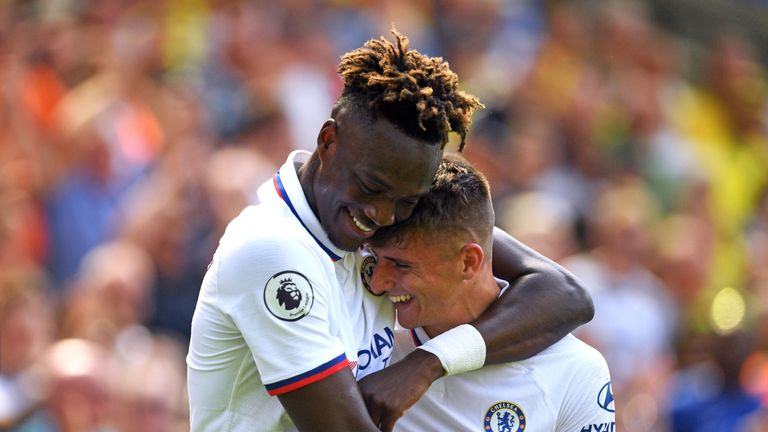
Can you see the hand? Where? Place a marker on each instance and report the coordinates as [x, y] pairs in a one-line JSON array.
[[391, 391]]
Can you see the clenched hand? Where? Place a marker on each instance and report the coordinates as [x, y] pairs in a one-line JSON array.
[[391, 391]]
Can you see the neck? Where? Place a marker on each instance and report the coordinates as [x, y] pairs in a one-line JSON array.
[[480, 292], [306, 174]]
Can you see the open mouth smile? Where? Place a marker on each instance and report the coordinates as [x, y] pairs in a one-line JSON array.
[[361, 226], [400, 299]]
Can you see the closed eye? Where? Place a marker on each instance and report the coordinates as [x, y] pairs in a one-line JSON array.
[[368, 190], [399, 264]]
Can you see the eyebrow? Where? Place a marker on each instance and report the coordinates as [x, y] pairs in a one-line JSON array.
[[378, 182], [399, 260], [370, 179]]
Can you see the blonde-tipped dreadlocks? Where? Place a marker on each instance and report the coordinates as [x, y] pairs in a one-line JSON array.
[[416, 92]]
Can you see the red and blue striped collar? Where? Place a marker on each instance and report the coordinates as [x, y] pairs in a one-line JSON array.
[[282, 193]]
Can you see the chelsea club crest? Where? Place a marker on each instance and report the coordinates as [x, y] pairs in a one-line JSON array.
[[504, 417], [366, 272]]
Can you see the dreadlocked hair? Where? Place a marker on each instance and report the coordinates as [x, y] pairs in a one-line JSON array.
[[416, 92]]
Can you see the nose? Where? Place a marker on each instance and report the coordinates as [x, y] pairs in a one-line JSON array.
[[382, 212], [381, 280]]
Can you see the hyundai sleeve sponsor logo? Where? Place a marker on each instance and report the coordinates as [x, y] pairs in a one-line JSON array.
[[600, 427], [605, 398]]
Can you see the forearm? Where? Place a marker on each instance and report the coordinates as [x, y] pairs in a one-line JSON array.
[[333, 403], [543, 304], [530, 316]]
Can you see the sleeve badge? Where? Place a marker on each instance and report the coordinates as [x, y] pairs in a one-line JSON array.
[[289, 296]]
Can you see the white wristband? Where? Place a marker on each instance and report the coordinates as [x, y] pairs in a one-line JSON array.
[[460, 349]]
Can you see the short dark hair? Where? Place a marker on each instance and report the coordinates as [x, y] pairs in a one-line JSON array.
[[418, 93], [458, 203]]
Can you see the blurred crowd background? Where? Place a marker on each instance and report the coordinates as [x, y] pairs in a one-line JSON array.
[[627, 140]]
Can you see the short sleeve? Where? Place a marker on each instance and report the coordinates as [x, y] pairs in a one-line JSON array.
[[588, 404], [279, 296]]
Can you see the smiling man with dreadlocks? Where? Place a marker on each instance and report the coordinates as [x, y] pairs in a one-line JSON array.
[[260, 362]]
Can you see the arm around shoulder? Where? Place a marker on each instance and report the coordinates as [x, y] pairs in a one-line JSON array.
[[543, 303]]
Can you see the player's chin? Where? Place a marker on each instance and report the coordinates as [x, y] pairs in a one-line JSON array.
[[407, 320], [346, 243], [345, 235]]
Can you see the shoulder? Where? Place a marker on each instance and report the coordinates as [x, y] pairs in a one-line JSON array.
[[258, 244], [569, 363], [581, 388], [577, 354], [265, 229]]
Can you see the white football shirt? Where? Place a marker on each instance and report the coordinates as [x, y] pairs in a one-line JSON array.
[[565, 388], [280, 307]]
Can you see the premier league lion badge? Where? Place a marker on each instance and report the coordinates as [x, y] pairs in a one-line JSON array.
[[504, 417], [289, 296]]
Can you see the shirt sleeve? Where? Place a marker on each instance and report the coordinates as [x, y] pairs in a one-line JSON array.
[[278, 295], [588, 405]]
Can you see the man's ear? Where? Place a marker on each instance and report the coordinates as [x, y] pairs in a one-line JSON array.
[[326, 139], [472, 257]]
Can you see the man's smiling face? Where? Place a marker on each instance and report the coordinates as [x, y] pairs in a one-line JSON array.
[[371, 175], [422, 277]]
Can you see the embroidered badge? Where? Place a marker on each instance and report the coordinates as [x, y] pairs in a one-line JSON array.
[[504, 417], [366, 272], [288, 295]]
